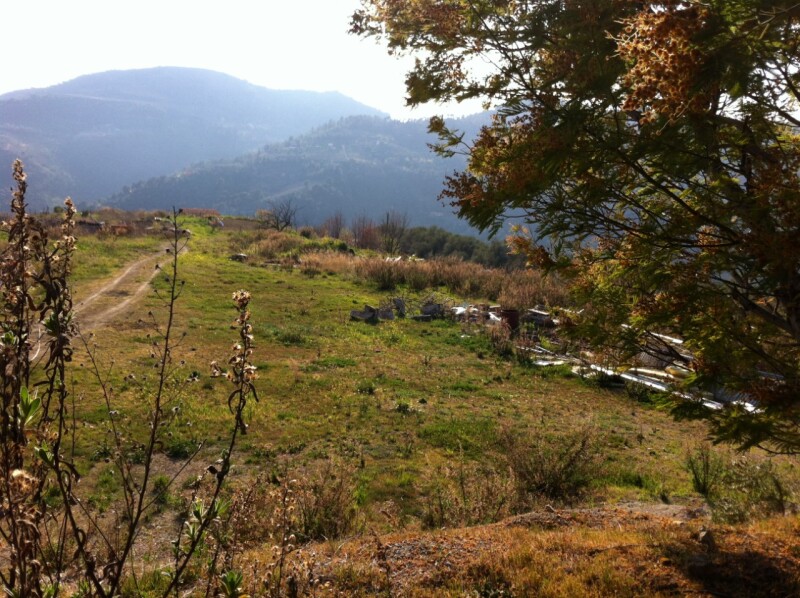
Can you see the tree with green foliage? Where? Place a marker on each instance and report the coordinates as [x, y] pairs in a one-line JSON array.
[[432, 241], [652, 151]]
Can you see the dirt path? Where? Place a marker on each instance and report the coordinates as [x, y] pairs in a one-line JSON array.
[[118, 296]]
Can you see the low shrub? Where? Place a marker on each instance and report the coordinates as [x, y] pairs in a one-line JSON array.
[[180, 448], [266, 244], [707, 469], [161, 490], [365, 387], [516, 289], [387, 276], [311, 502], [467, 493], [501, 341], [554, 467], [738, 488], [291, 335]]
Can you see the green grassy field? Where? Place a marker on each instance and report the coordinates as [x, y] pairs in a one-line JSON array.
[[397, 427], [400, 400]]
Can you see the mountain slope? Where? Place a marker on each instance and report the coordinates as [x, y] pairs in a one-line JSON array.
[[357, 165], [90, 136]]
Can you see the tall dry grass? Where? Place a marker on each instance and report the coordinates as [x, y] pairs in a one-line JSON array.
[[514, 289], [265, 244]]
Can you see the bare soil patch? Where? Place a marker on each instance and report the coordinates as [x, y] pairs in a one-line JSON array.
[[118, 295]]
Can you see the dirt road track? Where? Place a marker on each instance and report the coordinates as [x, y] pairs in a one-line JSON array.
[[118, 296]]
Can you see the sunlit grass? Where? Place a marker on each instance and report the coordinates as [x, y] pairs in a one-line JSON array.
[[415, 412], [407, 395]]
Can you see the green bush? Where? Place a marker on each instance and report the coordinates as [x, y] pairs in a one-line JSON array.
[[180, 448], [556, 467], [707, 469], [738, 489], [161, 484], [365, 387]]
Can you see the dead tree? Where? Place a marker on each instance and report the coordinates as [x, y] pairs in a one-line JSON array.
[[392, 228], [282, 214]]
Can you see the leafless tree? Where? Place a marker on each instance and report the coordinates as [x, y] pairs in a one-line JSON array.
[[334, 225], [365, 233], [282, 214], [392, 228]]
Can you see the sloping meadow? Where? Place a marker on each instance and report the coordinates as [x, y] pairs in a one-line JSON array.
[[396, 425]]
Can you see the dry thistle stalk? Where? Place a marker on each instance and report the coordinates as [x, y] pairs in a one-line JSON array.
[[34, 295]]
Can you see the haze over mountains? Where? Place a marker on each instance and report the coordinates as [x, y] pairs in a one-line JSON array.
[[101, 139], [359, 165], [110, 129]]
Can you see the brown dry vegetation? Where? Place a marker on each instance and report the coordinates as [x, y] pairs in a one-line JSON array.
[[519, 289], [622, 551]]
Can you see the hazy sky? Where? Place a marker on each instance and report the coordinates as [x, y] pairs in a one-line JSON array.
[[280, 44]]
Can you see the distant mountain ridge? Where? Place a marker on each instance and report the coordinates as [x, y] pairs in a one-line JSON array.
[[357, 165], [93, 135]]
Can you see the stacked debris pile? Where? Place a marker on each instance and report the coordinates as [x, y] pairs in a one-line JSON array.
[[663, 364], [431, 308], [373, 314], [429, 311], [481, 313]]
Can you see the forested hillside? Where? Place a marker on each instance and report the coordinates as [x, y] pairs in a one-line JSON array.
[[91, 136], [357, 165]]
